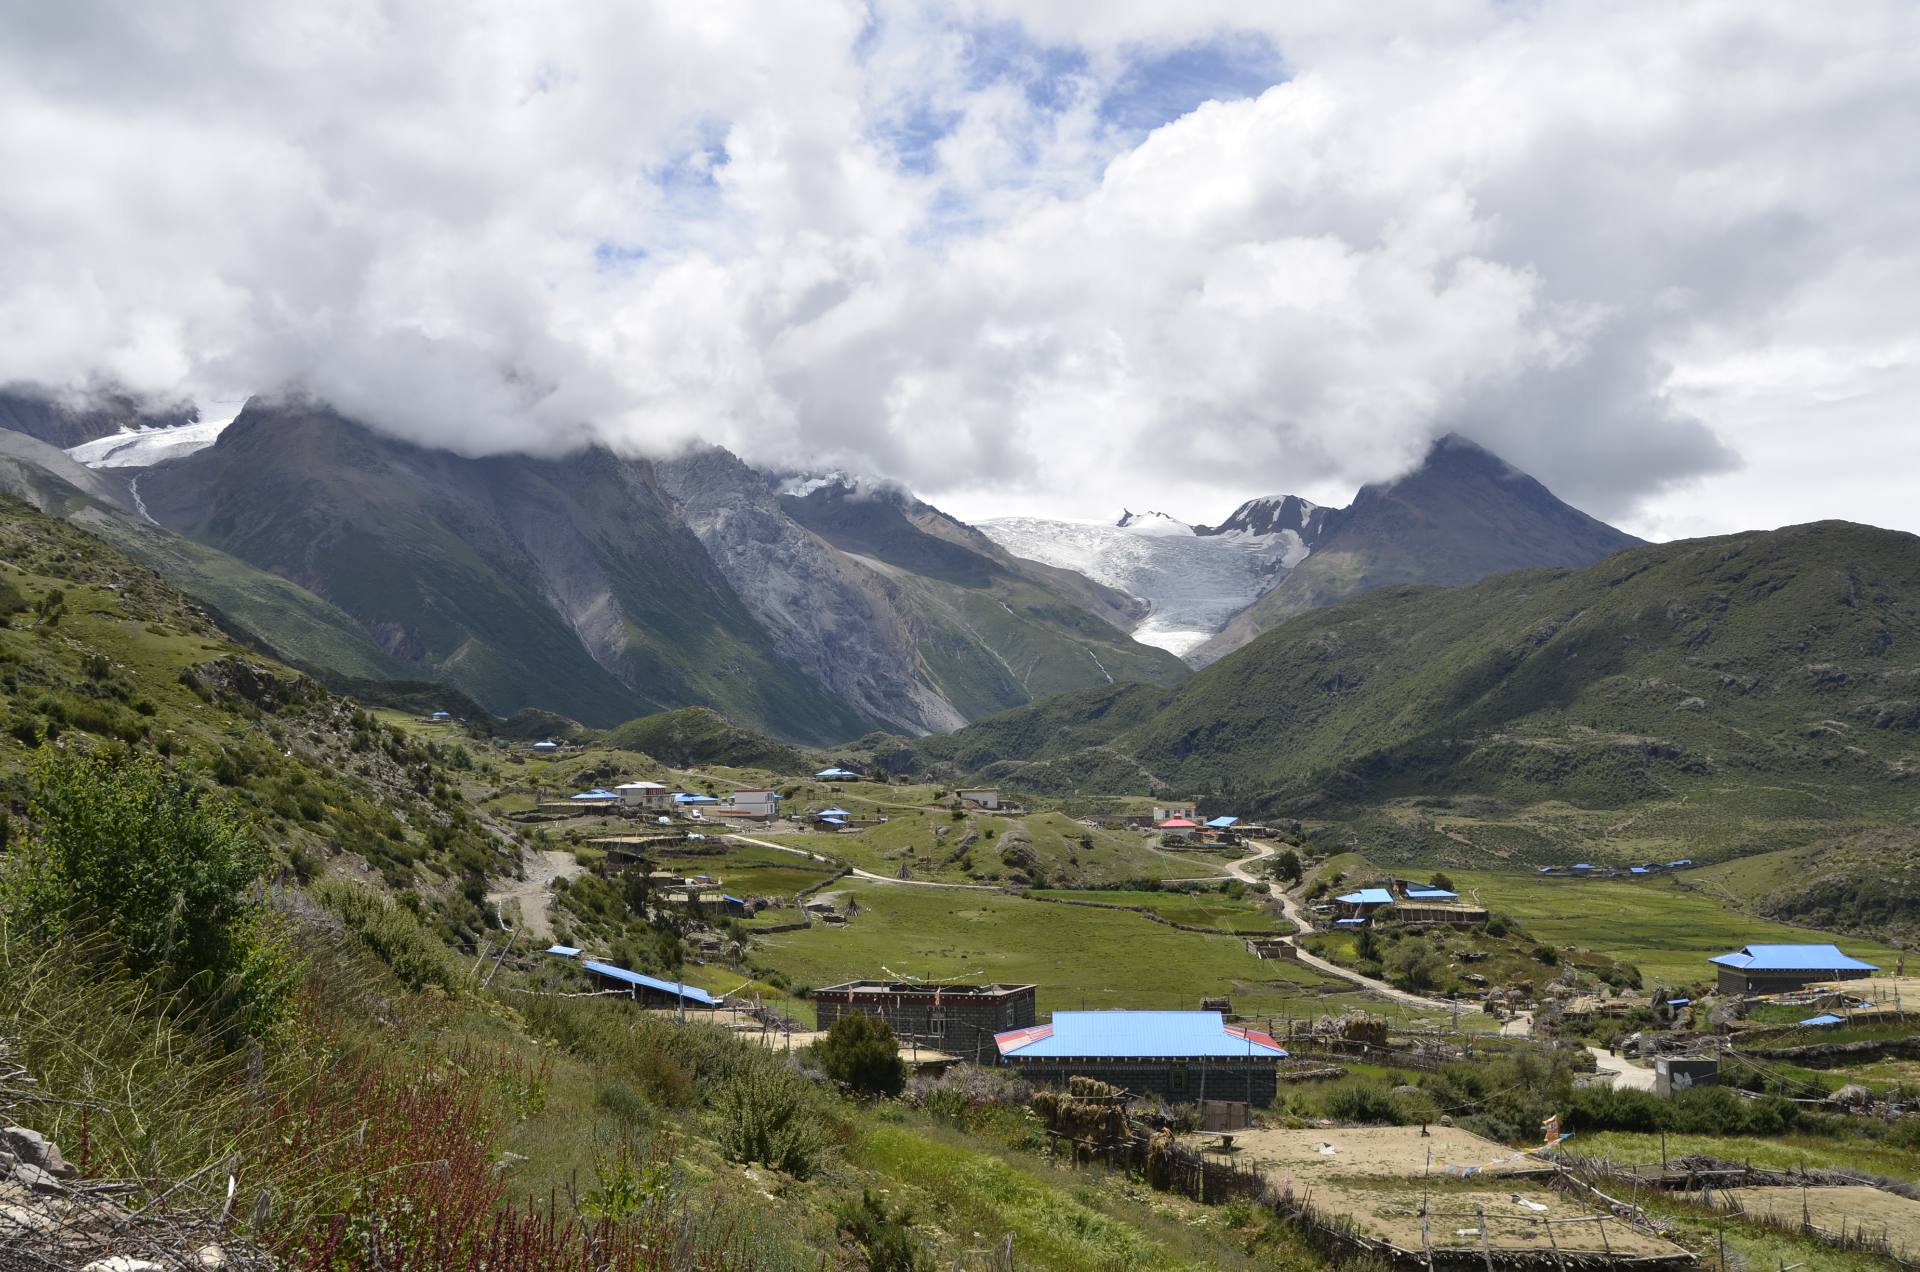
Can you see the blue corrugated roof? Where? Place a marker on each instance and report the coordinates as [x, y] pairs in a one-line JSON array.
[[681, 797], [1221, 823], [834, 812], [1678, 1002], [692, 993], [1078, 1034], [1684, 861], [1791, 958], [1351, 922], [1636, 870], [835, 772], [1824, 1019], [1431, 893], [1367, 896], [736, 900], [596, 793], [564, 951], [832, 821], [1582, 865]]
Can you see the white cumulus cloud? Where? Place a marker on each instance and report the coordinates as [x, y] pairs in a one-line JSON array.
[[1052, 257]]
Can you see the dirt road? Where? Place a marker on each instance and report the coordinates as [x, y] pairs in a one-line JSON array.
[[858, 873], [543, 868], [1300, 923], [1626, 1074]]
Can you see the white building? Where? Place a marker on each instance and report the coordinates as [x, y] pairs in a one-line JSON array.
[[649, 795], [754, 803], [979, 797], [1166, 812]]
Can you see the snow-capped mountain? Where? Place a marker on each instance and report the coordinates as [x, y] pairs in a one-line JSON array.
[[1193, 579]]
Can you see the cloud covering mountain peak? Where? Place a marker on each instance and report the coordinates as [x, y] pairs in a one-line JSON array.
[[1166, 255]]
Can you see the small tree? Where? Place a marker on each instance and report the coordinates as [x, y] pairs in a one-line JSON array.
[[163, 874], [861, 1051], [1286, 866]]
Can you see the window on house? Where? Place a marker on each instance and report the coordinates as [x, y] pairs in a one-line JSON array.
[[1179, 1081]]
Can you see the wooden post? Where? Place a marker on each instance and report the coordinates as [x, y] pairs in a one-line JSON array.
[[1723, 1245], [1426, 1240], [1601, 1223], [1557, 1256], [1486, 1246]]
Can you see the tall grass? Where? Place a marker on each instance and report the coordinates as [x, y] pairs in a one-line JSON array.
[[348, 1149]]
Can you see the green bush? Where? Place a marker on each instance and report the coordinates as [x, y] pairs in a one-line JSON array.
[[861, 1052], [134, 856], [1361, 1102], [768, 1114], [391, 933], [882, 1235]]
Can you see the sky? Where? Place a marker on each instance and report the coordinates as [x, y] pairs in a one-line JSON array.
[[1051, 257]]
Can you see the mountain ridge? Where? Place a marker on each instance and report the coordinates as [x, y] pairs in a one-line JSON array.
[[1462, 514], [1735, 676]]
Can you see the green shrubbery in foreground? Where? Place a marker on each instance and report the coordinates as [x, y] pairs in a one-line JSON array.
[[157, 873]]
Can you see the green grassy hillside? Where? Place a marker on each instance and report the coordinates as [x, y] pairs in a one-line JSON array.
[[1723, 689]]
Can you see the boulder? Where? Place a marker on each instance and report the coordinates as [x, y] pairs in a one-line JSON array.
[[32, 1146], [209, 1259], [1853, 1095]]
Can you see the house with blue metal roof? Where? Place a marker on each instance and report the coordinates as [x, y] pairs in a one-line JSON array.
[[1182, 1055], [1363, 904], [1780, 969], [650, 989], [835, 774]]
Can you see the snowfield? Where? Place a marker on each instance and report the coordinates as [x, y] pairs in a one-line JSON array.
[[139, 448], [1193, 583]]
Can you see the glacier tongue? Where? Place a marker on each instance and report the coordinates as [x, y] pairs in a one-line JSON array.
[[1193, 584], [140, 448]]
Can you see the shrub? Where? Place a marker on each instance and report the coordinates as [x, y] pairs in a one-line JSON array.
[[1361, 1102], [881, 1235], [861, 1052], [767, 1114], [165, 875], [391, 933]]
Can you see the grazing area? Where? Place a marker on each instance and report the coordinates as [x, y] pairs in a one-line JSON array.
[[1078, 956], [1660, 926]]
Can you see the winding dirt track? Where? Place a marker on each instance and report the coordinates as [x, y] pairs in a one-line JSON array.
[[1239, 871], [858, 873]]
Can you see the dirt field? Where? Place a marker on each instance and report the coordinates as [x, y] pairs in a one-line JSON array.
[[1880, 1214], [1376, 1151], [1512, 1222]]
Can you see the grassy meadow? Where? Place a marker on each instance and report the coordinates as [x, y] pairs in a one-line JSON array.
[[1666, 930], [1078, 956]]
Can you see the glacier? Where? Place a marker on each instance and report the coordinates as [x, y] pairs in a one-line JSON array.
[[1193, 580]]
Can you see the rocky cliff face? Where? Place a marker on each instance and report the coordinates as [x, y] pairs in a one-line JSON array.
[[841, 621], [607, 588]]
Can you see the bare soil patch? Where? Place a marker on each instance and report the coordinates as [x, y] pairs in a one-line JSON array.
[[1517, 1216], [1377, 1151], [1845, 1210]]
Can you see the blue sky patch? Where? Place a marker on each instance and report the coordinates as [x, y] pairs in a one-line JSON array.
[[1159, 87]]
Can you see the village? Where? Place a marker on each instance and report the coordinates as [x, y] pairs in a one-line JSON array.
[[1320, 1070]]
